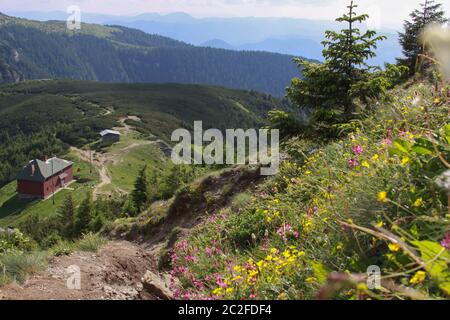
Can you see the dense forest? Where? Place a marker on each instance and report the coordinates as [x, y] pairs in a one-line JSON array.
[[35, 50]]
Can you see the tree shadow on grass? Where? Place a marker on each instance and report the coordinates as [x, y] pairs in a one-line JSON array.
[[15, 206]]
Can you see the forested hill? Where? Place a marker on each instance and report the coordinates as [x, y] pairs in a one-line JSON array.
[[41, 50]]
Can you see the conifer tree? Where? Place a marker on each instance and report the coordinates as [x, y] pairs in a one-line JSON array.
[[84, 215], [430, 12], [140, 194], [67, 216], [337, 82]]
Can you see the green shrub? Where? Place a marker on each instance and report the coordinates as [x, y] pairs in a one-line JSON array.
[[62, 248], [50, 241], [16, 241], [242, 227]]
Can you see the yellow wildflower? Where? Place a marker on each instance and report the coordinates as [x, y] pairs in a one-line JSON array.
[[311, 280], [230, 290], [405, 161], [419, 277], [260, 264], [217, 292], [375, 157], [382, 196], [253, 273], [236, 279], [394, 247], [365, 164], [418, 203], [362, 287]]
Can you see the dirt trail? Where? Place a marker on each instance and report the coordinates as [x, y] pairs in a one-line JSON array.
[[114, 273], [102, 160], [99, 161]]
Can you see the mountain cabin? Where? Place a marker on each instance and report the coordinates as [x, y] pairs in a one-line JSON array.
[[40, 179], [110, 136]]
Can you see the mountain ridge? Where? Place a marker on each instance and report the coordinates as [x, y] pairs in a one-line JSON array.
[[36, 50]]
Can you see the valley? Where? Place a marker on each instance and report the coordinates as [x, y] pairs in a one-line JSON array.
[[144, 114]]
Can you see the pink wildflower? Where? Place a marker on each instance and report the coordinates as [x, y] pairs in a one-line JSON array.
[[387, 142], [353, 163], [190, 258], [446, 241], [209, 251], [358, 150], [389, 132]]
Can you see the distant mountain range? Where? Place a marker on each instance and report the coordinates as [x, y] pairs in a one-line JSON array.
[[40, 50], [290, 46], [298, 37]]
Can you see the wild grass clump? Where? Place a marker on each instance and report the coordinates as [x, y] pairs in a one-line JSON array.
[[90, 242], [16, 267]]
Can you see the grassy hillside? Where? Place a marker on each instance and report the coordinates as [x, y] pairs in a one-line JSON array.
[[14, 212], [312, 231], [39, 50]]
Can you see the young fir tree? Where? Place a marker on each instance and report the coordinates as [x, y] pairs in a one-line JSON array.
[[67, 216], [140, 194], [84, 215], [430, 12], [345, 74]]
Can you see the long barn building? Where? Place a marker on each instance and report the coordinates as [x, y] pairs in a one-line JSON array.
[[40, 179]]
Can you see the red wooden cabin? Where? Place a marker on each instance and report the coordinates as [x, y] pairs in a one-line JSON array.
[[40, 179]]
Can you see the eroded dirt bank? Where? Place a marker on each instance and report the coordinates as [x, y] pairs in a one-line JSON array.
[[114, 272]]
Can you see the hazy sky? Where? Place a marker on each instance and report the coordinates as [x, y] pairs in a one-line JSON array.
[[385, 13]]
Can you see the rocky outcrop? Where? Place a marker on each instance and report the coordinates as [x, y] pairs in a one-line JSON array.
[[8, 74], [157, 286]]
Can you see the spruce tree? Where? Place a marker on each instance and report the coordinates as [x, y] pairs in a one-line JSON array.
[[67, 216], [140, 193], [84, 215], [344, 75], [430, 12]]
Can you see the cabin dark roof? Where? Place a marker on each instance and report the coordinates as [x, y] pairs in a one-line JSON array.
[[39, 171]]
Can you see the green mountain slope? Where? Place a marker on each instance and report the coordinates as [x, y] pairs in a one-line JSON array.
[[39, 50], [43, 117]]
